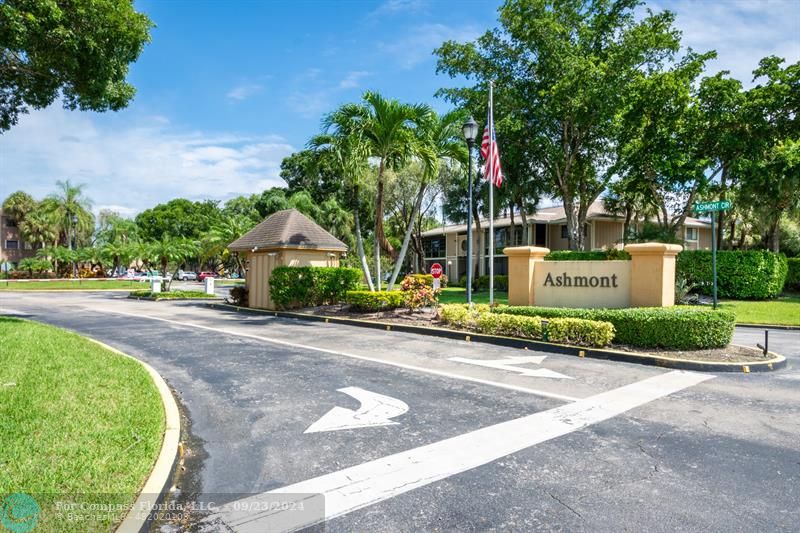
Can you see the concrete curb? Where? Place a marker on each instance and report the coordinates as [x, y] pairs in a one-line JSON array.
[[769, 326], [153, 299], [777, 362], [64, 290], [158, 482]]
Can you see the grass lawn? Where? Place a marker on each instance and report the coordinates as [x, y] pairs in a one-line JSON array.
[[784, 310], [78, 423], [171, 295], [458, 295], [78, 284]]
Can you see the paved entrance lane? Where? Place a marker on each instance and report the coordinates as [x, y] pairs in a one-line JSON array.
[[722, 455]]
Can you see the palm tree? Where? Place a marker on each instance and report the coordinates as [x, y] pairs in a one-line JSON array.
[[118, 252], [18, 205], [70, 210], [172, 250], [438, 138], [386, 127], [38, 227], [216, 241], [348, 153]]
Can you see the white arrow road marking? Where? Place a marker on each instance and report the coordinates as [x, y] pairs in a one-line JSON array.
[[508, 362], [372, 482], [375, 410]]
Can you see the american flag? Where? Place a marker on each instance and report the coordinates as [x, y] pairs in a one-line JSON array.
[[492, 171]]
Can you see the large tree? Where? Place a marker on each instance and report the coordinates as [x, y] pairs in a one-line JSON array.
[[70, 208], [78, 50], [179, 218], [566, 69]]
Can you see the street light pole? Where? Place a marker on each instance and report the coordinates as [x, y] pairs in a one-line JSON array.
[[470, 130]]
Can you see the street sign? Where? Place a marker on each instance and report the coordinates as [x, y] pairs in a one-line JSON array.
[[436, 270], [706, 207]]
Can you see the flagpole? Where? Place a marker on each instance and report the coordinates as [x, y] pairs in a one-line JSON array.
[[491, 194]]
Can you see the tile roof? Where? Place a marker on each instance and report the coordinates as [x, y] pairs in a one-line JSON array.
[[287, 229]]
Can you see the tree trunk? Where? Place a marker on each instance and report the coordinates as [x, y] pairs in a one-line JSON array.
[[360, 250], [775, 234], [398, 264], [526, 230]]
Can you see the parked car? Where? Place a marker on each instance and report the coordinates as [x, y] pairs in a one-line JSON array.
[[203, 275], [187, 276]]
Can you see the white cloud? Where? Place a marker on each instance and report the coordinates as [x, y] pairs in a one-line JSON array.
[[741, 31], [244, 91], [420, 42], [352, 79], [392, 7], [133, 168]]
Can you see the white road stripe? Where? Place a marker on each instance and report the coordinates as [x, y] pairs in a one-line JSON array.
[[415, 368], [372, 482]]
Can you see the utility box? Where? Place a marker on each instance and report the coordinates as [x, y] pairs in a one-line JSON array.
[[209, 284], [155, 284]]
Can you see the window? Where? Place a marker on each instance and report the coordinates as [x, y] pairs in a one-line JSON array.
[[10, 222], [12, 245], [564, 232], [691, 234], [434, 246]]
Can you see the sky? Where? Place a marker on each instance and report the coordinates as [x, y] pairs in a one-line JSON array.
[[226, 90]]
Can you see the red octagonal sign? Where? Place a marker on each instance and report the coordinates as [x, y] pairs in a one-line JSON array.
[[436, 270]]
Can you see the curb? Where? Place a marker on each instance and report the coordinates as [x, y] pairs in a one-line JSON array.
[[769, 326], [153, 299], [157, 484], [64, 290], [777, 362]]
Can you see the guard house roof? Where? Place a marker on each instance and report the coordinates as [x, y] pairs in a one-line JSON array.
[[287, 229]]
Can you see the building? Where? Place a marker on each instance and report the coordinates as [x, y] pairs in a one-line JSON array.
[[12, 247], [285, 238], [447, 245]]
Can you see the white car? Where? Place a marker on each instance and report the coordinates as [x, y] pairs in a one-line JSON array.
[[186, 276]]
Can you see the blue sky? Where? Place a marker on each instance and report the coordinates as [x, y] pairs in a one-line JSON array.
[[227, 89]]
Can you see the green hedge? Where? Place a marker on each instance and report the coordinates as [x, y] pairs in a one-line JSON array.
[[560, 330], [482, 283], [427, 279], [594, 255], [751, 274], [375, 300], [307, 286], [682, 328], [793, 274]]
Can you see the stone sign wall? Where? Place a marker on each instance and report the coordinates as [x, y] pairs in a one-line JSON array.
[[647, 280]]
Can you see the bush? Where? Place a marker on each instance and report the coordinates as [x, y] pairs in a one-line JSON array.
[[680, 328], [33, 265], [427, 279], [752, 274], [595, 255], [419, 292], [792, 275], [369, 301], [561, 330], [482, 283], [307, 286], [238, 296]]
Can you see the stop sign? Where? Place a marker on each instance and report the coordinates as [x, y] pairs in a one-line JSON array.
[[436, 270]]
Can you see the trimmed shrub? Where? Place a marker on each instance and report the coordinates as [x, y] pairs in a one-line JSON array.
[[680, 328], [375, 300], [482, 283], [792, 275], [751, 274], [595, 255], [561, 330], [306, 286]]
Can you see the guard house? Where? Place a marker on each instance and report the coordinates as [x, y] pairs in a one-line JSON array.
[[285, 238]]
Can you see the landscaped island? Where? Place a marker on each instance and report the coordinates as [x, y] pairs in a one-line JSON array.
[[79, 424]]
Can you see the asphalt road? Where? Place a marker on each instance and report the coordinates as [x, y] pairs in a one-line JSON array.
[[586, 445]]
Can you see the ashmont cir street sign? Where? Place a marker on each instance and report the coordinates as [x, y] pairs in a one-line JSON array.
[[719, 205]]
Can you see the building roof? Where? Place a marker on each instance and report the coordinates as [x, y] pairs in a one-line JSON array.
[[287, 229], [551, 215]]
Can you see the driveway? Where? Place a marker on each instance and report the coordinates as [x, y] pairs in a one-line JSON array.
[[405, 433]]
